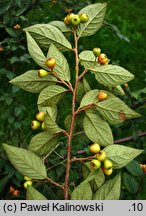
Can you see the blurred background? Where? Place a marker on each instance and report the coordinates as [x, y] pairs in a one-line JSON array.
[[122, 38]]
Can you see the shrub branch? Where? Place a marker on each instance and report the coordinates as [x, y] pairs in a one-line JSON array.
[[66, 187]]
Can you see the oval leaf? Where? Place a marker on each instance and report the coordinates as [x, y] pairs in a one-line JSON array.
[[96, 13], [61, 67], [96, 175], [121, 155], [115, 111], [134, 168], [51, 125], [82, 192], [33, 194], [87, 59], [61, 26], [35, 51], [43, 143], [45, 34], [51, 95], [31, 82], [97, 129], [26, 162], [90, 98], [130, 183], [83, 88], [110, 190], [111, 75]]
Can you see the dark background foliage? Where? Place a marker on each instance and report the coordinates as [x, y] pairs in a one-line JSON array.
[[122, 38]]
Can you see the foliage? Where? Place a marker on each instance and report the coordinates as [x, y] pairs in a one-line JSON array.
[[121, 38], [97, 113]]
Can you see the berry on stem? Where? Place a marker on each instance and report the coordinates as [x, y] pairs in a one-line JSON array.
[[50, 63], [101, 156], [94, 148], [27, 183], [43, 73], [95, 164], [83, 17], [27, 178], [66, 21], [16, 193], [102, 59], [107, 172], [69, 17], [107, 164], [102, 95], [35, 124], [96, 51], [40, 116], [75, 20], [43, 126], [12, 189]]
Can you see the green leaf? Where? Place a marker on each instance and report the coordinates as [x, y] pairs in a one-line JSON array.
[[33, 194], [96, 129], [90, 98], [35, 51], [11, 32], [110, 190], [51, 95], [111, 75], [51, 125], [87, 59], [82, 192], [83, 88], [3, 181], [118, 89], [121, 155], [115, 111], [137, 93], [43, 143], [130, 183], [45, 34], [67, 122], [100, 178], [31, 82], [5, 5], [96, 175], [61, 26], [96, 13], [26, 162], [134, 168], [61, 67]]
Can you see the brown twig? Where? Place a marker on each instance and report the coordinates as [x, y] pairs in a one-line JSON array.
[[84, 72], [118, 141], [81, 159], [89, 106], [130, 138], [139, 104], [55, 183], [72, 119], [68, 85]]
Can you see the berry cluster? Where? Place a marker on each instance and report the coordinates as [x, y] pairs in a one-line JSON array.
[[27, 182], [101, 57], [14, 192], [50, 63], [35, 124], [76, 19], [101, 160]]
